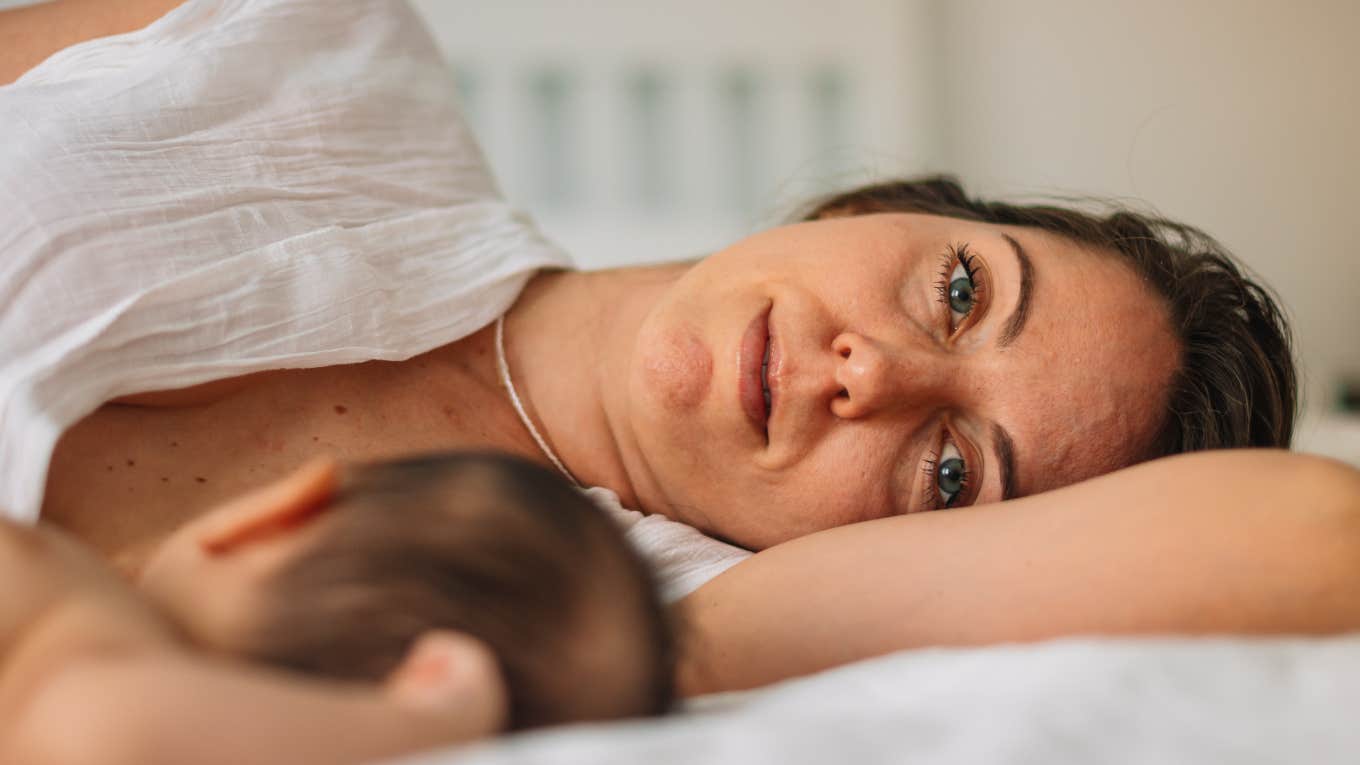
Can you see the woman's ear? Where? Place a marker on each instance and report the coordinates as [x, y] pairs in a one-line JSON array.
[[454, 677], [286, 503]]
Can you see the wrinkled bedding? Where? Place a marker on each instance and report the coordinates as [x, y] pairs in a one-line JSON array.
[[1070, 701]]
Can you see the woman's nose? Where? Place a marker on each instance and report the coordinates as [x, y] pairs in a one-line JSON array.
[[875, 376]]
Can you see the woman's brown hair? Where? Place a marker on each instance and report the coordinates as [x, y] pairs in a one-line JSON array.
[[1236, 385]]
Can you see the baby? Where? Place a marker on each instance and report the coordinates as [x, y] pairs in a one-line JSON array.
[[331, 619]]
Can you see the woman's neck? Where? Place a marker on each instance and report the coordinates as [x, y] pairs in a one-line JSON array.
[[569, 341]]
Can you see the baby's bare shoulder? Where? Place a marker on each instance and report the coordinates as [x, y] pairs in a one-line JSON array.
[[59, 600], [31, 568]]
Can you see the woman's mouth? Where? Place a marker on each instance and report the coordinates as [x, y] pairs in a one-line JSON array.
[[765, 379], [753, 362]]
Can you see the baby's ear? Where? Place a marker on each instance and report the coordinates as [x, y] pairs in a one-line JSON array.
[[456, 677], [286, 503]]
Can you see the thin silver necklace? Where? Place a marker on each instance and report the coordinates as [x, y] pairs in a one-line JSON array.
[[519, 405]]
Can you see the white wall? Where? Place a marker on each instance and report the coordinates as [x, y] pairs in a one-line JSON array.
[[1240, 117], [723, 173]]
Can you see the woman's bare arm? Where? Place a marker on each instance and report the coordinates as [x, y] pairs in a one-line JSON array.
[[1243, 542], [30, 34]]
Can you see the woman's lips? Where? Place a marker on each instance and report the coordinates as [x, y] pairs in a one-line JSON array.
[[752, 359], [765, 379]]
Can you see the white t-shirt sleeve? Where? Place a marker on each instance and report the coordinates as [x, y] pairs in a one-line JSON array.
[[682, 556]]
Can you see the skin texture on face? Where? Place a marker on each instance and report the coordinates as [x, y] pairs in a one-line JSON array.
[[874, 379]]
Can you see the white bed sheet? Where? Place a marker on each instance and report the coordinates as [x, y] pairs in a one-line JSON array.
[[1070, 701]]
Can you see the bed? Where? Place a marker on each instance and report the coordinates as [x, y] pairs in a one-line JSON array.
[[1069, 701]]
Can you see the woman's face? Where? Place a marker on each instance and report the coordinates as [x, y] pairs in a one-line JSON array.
[[912, 363]]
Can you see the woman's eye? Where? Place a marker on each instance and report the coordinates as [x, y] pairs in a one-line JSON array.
[[960, 285], [951, 475], [962, 292]]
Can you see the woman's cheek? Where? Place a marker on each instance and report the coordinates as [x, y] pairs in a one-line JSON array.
[[676, 369]]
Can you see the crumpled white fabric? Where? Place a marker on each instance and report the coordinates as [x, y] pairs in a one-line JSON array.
[[243, 185], [682, 557]]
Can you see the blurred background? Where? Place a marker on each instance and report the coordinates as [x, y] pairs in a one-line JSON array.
[[642, 130], [639, 130]]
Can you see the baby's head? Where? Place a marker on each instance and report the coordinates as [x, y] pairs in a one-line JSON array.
[[358, 581]]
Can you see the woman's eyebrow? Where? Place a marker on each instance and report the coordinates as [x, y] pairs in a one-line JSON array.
[[1016, 322], [1005, 460]]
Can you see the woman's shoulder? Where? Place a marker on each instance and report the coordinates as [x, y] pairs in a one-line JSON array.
[[31, 34]]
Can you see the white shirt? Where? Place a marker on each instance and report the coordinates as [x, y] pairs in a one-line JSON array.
[[243, 185]]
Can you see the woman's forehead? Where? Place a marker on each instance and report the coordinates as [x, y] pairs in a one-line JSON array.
[[1085, 385]]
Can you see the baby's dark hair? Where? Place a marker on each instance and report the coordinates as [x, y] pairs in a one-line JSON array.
[[1236, 386], [492, 546]]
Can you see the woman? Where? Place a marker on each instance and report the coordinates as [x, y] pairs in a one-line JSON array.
[[856, 367]]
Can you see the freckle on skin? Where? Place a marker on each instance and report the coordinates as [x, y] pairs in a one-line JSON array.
[[315, 438], [200, 479], [164, 479], [339, 409], [131, 462], [174, 443]]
